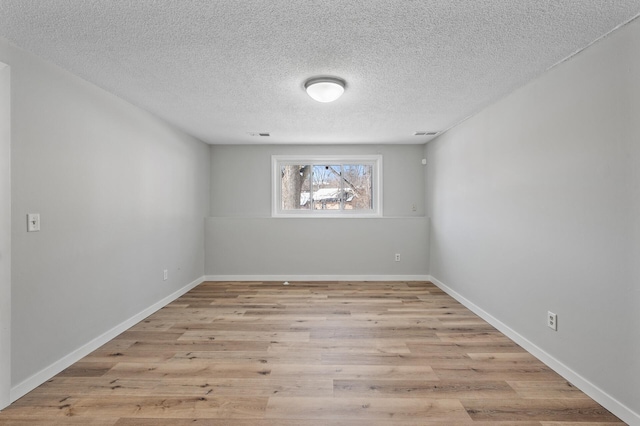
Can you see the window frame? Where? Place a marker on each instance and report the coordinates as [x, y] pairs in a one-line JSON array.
[[277, 161]]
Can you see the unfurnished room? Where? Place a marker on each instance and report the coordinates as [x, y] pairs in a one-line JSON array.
[[372, 212]]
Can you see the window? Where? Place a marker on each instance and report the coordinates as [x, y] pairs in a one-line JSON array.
[[323, 186]]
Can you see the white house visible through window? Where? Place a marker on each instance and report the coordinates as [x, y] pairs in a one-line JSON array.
[[322, 186]]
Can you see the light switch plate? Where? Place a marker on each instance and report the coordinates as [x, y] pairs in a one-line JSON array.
[[33, 222]]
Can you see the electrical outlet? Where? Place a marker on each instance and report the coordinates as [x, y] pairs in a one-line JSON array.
[[552, 321], [166, 274], [397, 257]]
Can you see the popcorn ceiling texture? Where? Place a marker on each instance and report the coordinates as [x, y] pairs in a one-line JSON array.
[[220, 70]]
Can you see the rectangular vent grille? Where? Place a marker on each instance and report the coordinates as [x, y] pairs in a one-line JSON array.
[[425, 133]]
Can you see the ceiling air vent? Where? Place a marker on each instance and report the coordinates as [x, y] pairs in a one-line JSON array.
[[259, 134], [425, 133]]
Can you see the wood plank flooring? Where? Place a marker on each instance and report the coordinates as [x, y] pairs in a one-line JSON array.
[[329, 353]]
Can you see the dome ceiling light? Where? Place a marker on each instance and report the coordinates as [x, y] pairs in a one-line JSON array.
[[325, 89]]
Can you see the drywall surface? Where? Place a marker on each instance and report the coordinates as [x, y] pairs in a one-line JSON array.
[[5, 236], [535, 206], [121, 195], [241, 176], [290, 248], [242, 237]]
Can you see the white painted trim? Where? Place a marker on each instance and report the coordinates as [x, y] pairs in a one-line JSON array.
[[47, 373], [293, 278], [600, 396], [5, 235]]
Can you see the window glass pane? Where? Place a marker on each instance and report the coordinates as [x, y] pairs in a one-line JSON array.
[[358, 184], [327, 190], [295, 187]]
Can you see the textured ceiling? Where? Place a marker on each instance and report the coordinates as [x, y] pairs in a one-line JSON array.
[[221, 70]]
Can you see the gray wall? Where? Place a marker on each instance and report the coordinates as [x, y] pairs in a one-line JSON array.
[[241, 176], [535, 206], [5, 237], [121, 195], [319, 248], [243, 239]]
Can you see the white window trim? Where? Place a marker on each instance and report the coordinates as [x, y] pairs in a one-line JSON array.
[[279, 160]]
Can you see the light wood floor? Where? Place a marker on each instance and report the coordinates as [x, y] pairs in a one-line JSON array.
[[333, 353]]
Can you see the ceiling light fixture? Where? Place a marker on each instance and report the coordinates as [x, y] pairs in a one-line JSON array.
[[325, 89]]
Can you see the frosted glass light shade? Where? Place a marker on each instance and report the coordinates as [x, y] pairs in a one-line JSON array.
[[325, 89]]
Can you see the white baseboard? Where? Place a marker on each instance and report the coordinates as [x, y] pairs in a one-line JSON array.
[[597, 394], [293, 278], [47, 373]]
